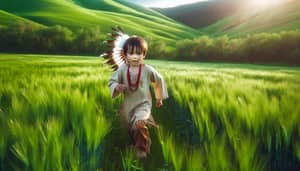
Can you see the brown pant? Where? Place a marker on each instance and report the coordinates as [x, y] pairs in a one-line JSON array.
[[139, 135]]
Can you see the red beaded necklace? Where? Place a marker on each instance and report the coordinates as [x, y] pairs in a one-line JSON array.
[[134, 87]]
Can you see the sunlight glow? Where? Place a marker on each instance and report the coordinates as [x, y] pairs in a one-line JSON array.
[[172, 3], [264, 3]]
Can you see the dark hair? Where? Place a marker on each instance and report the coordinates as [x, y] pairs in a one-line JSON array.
[[135, 44]]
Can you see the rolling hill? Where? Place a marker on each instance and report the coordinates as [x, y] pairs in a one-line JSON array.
[[201, 14], [102, 13], [8, 19], [235, 17], [121, 6], [279, 17], [215, 17]]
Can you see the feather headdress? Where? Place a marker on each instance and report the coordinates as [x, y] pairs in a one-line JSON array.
[[115, 56]]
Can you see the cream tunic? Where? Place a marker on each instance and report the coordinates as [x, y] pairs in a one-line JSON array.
[[137, 104]]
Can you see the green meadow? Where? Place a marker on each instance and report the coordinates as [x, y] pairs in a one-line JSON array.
[[56, 113]]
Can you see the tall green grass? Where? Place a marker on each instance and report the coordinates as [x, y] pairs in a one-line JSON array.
[[247, 119], [56, 113], [52, 114]]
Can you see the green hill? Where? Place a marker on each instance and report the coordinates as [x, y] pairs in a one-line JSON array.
[[201, 14], [121, 7], [139, 20], [234, 17], [8, 19], [281, 17], [104, 14]]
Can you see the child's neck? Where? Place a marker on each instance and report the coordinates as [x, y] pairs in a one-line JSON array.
[[135, 66]]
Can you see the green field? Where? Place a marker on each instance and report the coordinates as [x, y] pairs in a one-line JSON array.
[[56, 114]]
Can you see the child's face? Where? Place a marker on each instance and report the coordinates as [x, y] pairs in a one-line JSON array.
[[135, 59]]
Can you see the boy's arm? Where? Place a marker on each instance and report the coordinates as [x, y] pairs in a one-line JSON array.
[[159, 86], [113, 84]]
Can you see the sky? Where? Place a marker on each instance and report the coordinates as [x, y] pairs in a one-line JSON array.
[[164, 3]]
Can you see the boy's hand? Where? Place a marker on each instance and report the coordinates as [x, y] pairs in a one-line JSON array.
[[158, 103], [120, 88]]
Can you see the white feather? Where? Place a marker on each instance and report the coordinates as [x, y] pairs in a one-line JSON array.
[[103, 54], [120, 63], [120, 41], [117, 53], [117, 58], [117, 49]]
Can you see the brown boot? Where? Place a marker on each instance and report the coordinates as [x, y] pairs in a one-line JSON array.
[[140, 134]]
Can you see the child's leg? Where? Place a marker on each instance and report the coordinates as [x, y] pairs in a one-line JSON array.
[[140, 134]]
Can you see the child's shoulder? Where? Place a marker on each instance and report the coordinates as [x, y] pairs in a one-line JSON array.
[[149, 67]]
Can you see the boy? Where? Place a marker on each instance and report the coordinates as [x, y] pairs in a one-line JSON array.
[[132, 78]]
